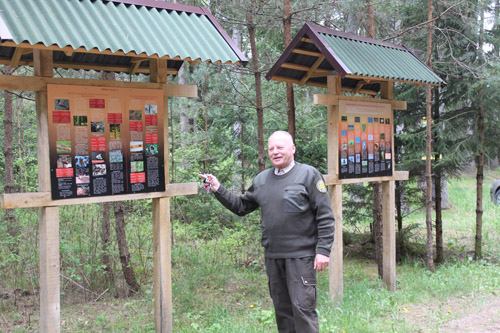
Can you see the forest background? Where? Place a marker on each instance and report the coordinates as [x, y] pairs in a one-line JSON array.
[[218, 132]]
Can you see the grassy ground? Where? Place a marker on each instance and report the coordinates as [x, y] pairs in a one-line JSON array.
[[219, 289], [459, 222]]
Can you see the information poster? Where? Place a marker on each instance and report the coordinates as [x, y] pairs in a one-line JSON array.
[[365, 139], [105, 141]]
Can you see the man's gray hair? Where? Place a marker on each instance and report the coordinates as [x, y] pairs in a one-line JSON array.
[[285, 133]]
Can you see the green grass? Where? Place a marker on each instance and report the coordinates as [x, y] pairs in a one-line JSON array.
[[234, 299], [459, 222]]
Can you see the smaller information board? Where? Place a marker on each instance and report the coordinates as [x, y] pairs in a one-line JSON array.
[[365, 139], [105, 141]]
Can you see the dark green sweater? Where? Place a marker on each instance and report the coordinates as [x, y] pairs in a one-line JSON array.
[[297, 219]]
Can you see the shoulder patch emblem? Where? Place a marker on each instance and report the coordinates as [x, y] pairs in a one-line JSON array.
[[320, 186]]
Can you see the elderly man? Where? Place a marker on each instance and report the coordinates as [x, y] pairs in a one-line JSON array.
[[297, 230]]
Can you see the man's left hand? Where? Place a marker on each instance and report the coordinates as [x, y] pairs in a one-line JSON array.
[[321, 262]]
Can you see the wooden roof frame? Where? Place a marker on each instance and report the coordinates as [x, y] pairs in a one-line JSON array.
[[311, 33]]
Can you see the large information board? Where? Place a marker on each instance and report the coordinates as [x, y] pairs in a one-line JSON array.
[[105, 141], [365, 139]]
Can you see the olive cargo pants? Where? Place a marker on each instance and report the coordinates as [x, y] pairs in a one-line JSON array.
[[292, 285]]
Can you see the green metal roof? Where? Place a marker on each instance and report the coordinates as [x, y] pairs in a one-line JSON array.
[[317, 52], [379, 60], [142, 27]]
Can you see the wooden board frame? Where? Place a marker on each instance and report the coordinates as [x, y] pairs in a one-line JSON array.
[[44, 199], [49, 209], [331, 100], [30, 83]]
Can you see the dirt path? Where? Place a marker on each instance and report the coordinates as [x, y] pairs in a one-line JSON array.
[[479, 313]]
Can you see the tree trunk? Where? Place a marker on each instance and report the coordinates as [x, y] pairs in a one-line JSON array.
[[243, 162], [399, 217], [128, 270], [377, 186], [8, 150], [439, 218], [480, 153], [105, 239], [238, 129], [184, 128], [479, 182], [495, 159], [371, 18], [438, 190], [377, 226], [428, 168], [290, 100], [496, 27], [106, 225], [258, 89], [121, 237]]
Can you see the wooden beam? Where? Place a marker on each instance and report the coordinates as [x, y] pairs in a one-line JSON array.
[[43, 70], [326, 99], [389, 235], [86, 66], [360, 85], [316, 84], [316, 72], [336, 279], [14, 61], [387, 90], [16, 57], [133, 68], [306, 40], [158, 71], [295, 66], [329, 99], [162, 267], [286, 79], [44, 199], [336, 269], [89, 66], [161, 223], [50, 305], [180, 90], [31, 83], [321, 73], [306, 52], [333, 179], [80, 50], [312, 69], [158, 74], [362, 91], [135, 63], [418, 83], [388, 214]]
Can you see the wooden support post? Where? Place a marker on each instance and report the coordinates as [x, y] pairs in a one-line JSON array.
[[389, 235], [162, 265], [336, 271], [161, 222], [50, 304], [388, 207]]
